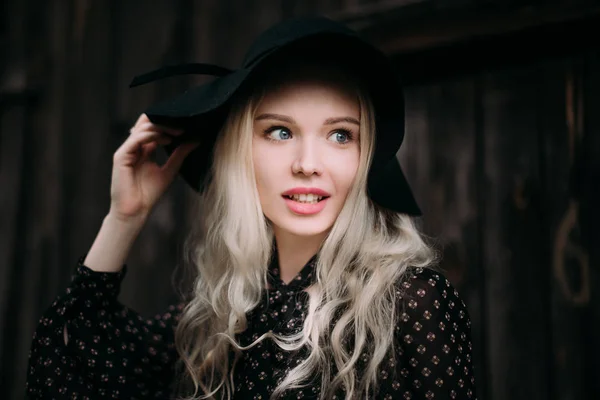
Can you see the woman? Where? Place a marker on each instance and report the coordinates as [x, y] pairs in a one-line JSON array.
[[312, 281]]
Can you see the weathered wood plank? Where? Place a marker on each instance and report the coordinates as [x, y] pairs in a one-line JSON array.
[[12, 117], [11, 158], [36, 181], [419, 26], [558, 110], [589, 219], [516, 277], [43, 234], [88, 99], [49, 123]]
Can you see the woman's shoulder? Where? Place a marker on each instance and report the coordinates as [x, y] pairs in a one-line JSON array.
[[433, 340], [426, 278], [426, 293]]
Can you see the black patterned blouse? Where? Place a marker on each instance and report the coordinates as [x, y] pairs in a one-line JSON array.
[[113, 352]]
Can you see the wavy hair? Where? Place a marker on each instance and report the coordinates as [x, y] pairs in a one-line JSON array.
[[358, 267]]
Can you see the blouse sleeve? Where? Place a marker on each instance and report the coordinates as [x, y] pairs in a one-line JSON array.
[[433, 345], [112, 352]]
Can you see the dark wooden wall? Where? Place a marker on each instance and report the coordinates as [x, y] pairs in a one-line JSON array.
[[502, 149], [494, 161]]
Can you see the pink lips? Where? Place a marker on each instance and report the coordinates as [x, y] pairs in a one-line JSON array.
[[305, 208]]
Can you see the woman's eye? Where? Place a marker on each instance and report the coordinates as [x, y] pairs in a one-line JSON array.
[[279, 133], [341, 136]]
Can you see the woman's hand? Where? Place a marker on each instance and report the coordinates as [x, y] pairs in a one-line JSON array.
[[137, 180]]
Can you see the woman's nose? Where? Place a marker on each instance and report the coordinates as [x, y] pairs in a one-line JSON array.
[[307, 158]]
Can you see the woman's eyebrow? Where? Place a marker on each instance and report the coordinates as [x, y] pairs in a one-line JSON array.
[[331, 121], [279, 117]]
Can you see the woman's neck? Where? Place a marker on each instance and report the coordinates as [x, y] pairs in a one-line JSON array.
[[294, 252]]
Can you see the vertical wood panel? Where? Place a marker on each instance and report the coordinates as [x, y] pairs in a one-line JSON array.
[[516, 276], [36, 140], [12, 121], [558, 123], [87, 159], [589, 219]]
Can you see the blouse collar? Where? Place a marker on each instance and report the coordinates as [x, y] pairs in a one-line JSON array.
[[300, 282]]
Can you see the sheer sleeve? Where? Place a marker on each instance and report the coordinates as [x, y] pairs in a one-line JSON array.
[[111, 351], [433, 340]]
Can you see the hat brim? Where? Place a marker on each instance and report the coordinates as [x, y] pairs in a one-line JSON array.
[[200, 112], [389, 188]]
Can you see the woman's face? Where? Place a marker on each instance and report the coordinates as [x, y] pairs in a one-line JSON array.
[[305, 141]]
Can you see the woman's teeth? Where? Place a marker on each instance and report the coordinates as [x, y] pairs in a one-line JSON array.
[[306, 198]]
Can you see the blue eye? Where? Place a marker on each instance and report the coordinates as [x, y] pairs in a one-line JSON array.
[[278, 133], [341, 136]]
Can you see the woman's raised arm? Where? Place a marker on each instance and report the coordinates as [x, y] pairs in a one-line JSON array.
[[136, 185], [88, 345]]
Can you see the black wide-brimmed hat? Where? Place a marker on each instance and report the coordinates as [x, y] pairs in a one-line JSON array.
[[202, 110]]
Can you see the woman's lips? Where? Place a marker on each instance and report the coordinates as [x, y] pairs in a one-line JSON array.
[[305, 208]]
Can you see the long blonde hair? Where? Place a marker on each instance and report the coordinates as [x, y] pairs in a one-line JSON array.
[[358, 266]]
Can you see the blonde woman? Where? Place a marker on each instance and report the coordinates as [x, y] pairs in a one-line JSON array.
[[311, 278]]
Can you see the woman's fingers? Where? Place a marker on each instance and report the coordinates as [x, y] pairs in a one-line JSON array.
[[144, 139], [137, 180], [143, 132], [134, 142]]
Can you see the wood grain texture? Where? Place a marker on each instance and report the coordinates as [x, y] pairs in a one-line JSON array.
[[517, 287], [11, 120], [422, 25], [589, 218], [32, 135], [560, 103]]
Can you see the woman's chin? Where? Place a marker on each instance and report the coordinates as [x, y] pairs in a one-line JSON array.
[[302, 226]]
